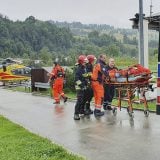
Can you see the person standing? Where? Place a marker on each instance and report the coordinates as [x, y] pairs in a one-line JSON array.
[[80, 86], [109, 89], [89, 91], [57, 76], [97, 78]]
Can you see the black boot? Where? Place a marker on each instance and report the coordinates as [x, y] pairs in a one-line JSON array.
[[76, 117], [65, 99], [88, 110], [82, 113], [105, 105], [109, 107], [98, 113]]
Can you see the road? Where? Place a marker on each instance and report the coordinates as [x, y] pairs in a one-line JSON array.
[[107, 138]]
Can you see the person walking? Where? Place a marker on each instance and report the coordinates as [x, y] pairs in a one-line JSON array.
[[97, 78], [109, 89], [57, 76], [89, 91], [80, 86]]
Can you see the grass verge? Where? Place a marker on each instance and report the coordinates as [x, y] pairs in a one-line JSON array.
[[19, 144], [139, 106]]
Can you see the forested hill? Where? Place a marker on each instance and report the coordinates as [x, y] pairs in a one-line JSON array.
[[47, 40], [82, 29], [32, 35], [126, 36]]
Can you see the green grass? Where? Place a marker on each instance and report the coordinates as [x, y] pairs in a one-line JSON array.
[[43, 93], [130, 46], [19, 89], [16, 143], [71, 95], [123, 62], [27, 90], [151, 105]]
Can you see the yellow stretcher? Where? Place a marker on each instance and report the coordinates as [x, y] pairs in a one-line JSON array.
[[130, 87]]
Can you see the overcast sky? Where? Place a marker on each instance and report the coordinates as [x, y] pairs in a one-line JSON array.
[[112, 12]]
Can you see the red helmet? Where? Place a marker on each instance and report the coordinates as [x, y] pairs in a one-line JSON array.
[[82, 59], [91, 58]]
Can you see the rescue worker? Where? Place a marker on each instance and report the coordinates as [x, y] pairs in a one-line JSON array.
[[98, 76], [89, 91], [57, 76], [80, 86], [4, 66], [109, 89]]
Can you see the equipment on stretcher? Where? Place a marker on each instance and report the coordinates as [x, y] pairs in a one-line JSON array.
[[130, 80]]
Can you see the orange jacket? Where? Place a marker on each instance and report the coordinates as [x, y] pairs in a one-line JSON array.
[[57, 72], [99, 73]]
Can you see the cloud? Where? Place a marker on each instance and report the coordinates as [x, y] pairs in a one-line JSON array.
[[111, 12]]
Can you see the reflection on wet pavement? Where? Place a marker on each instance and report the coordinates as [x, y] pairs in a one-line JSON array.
[[107, 138]]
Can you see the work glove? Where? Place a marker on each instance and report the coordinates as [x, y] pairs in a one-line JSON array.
[[78, 85], [85, 75]]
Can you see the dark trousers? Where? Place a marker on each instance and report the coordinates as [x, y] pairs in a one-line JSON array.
[[84, 98], [109, 91], [79, 107], [88, 97]]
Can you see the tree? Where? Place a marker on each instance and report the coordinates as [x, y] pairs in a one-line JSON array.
[[113, 50], [134, 52], [45, 56]]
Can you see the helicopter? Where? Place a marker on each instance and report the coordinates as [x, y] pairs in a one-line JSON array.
[[13, 71]]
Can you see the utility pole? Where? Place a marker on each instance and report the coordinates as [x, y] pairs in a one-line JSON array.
[[158, 79], [151, 6], [154, 24], [141, 34]]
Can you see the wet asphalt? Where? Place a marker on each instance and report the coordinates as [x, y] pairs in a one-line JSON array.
[[107, 138]]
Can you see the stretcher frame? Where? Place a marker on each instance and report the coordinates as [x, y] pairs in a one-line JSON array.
[[142, 85]]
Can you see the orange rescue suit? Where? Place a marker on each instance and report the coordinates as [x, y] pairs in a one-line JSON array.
[[97, 85], [57, 75]]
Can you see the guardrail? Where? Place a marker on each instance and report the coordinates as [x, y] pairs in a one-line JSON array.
[[42, 85], [27, 85]]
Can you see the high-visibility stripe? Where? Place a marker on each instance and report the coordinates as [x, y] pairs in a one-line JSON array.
[[98, 107], [158, 91]]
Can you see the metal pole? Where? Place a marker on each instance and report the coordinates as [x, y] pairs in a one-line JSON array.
[[141, 33], [159, 45], [158, 79]]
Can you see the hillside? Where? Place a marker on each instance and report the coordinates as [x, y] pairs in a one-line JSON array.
[[80, 29], [47, 40]]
